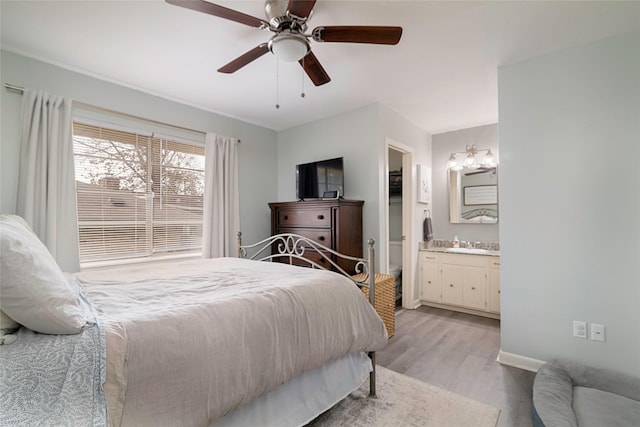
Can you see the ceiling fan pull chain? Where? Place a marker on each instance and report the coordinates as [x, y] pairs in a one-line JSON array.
[[302, 74], [277, 84]]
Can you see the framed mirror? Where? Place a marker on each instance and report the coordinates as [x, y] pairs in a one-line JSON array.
[[473, 195]]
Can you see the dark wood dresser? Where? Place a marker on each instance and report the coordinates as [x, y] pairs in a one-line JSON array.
[[335, 223]]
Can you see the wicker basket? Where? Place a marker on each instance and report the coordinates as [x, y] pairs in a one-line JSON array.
[[385, 299]]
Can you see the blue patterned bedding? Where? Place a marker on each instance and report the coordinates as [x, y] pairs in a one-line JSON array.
[[54, 380]]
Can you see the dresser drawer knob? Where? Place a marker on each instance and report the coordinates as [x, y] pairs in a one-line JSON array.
[[286, 217], [320, 216], [451, 285], [473, 288], [321, 238]]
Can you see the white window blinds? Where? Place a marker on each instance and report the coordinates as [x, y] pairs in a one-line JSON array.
[[138, 195]]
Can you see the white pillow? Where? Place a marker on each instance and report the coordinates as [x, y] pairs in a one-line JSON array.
[[34, 290]]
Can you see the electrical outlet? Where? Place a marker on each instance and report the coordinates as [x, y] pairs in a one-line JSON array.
[[597, 332], [580, 329]]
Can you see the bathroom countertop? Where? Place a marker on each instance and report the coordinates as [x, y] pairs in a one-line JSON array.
[[464, 251]]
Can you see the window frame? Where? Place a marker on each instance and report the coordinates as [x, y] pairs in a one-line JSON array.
[[175, 138]]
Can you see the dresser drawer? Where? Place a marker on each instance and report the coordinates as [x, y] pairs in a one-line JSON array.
[[311, 255], [316, 234], [315, 257], [305, 218]]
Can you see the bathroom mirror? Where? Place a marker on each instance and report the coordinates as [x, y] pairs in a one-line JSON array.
[[473, 195]]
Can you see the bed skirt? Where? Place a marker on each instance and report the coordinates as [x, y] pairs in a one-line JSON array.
[[298, 401]]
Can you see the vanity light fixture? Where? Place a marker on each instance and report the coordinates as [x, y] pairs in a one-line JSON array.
[[471, 160]]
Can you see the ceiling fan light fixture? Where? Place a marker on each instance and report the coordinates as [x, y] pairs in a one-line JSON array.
[[289, 47]]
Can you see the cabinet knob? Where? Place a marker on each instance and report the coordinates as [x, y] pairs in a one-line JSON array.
[[429, 281], [286, 217], [498, 292], [473, 288], [321, 238], [320, 216], [322, 260], [451, 285]]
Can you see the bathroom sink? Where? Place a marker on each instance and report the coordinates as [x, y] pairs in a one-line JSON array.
[[472, 251]]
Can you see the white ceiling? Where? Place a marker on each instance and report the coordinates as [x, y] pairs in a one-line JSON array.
[[441, 76]]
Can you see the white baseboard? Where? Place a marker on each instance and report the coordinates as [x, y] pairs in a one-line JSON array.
[[518, 361], [461, 309]]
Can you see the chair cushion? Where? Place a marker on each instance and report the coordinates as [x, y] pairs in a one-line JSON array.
[[597, 408]]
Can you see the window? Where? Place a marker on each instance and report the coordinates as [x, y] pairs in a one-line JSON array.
[[138, 195]]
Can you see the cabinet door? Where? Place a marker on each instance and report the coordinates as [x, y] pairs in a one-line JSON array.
[[474, 291], [429, 280], [494, 287], [452, 284]]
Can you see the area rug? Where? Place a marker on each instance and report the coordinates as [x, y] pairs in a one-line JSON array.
[[402, 401]]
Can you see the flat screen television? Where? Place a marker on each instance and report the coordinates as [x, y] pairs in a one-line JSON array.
[[314, 179]]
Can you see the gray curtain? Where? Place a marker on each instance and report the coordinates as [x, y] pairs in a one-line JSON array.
[[221, 199], [46, 179]]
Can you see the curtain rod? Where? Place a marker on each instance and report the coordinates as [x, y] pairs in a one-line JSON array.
[[20, 89], [14, 87]]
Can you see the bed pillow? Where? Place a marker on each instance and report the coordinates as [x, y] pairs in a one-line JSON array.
[[35, 292]]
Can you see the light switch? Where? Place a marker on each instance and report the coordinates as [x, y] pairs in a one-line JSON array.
[[579, 329]]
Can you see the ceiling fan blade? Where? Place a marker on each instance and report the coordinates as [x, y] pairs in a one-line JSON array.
[[220, 12], [301, 8], [243, 60], [358, 34], [314, 70]]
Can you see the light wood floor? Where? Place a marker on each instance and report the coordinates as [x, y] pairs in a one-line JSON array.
[[457, 352]]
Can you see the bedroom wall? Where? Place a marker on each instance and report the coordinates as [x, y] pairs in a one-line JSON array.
[[443, 145], [570, 203], [355, 136], [360, 137], [257, 151]]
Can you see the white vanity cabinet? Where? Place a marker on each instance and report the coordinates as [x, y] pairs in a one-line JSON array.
[[469, 283], [429, 277], [453, 281]]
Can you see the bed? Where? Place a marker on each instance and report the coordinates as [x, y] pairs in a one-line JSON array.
[[228, 341]]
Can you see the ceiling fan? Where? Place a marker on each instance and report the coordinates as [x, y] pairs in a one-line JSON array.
[[288, 20]]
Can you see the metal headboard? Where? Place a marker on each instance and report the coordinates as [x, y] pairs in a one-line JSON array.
[[293, 247]]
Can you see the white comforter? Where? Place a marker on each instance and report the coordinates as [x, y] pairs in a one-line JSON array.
[[191, 341]]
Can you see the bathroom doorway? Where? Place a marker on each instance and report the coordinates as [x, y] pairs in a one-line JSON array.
[[397, 224]]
